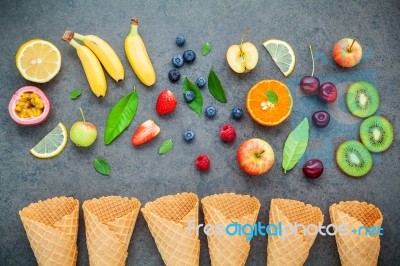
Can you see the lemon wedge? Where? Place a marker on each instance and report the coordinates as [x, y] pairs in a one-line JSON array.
[[282, 54], [52, 144]]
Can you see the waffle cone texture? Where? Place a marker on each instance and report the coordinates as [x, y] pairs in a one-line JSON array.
[[52, 230], [229, 208], [109, 225], [355, 249], [168, 219], [292, 249]]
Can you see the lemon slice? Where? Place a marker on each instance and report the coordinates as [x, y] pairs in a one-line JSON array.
[[52, 144], [38, 60], [282, 54]]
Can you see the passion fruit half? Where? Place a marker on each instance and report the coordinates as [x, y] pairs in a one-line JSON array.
[[29, 106]]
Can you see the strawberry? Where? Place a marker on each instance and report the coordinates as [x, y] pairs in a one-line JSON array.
[[147, 131], [166, 102]]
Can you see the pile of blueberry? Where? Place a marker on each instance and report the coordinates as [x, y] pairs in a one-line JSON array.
[[188, 57]]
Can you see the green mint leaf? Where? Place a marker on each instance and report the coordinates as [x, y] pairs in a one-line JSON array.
[[121, 116], [75, 94], [215, 87], [272, 97], [101, 166], [166, 146], [197, 104], [295, 145], [206, 48]]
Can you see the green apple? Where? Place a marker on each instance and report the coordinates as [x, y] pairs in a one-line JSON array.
[[83, 133]]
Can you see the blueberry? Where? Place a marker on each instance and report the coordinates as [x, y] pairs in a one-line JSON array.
[[210, 111], [189, 56], [237, 113], [189, 96], [201, 82], [177, 60], [188, 135], [174, 75], [180, 40]]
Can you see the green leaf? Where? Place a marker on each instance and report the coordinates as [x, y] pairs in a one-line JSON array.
[[75, 94], [295, 145], [206, 48], [121, 116], [101, 166], [197, 104], [215, 87], [166, 146], [272, 97]]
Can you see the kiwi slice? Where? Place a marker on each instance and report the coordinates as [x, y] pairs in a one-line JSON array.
[[362, 99], [376, 133], [353, 158]]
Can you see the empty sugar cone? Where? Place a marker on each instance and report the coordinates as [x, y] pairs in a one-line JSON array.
[[229, 208], [293, 247], [357, 248], [170, 219], [109, 225], [52, 230]]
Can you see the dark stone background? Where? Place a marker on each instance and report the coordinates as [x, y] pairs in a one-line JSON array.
[[141, 172]]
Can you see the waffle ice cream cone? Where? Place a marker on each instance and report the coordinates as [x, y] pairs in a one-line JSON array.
[[52, 230], [357, 249], [229, 208], [109, 225], [168, 219], [292, 249]]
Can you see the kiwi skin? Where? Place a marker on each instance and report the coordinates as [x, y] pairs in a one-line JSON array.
[[362, 99], [376, 133], [353, 158]]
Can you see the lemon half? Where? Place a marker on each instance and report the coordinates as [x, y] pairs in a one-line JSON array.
[[38, 60]]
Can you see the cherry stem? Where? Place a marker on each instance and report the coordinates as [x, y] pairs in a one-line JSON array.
[[312, 58], [351, 46], [83, 116]]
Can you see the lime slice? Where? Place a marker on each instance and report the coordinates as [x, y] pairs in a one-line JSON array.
[[282, 54], [52, 144]]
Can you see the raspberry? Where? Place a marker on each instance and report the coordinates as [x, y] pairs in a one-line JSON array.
[[227, 133], [202, 162]]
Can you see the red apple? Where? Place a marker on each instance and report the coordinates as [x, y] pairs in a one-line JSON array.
[[347, 52], [255, 156]]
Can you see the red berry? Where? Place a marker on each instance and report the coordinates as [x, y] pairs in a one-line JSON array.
[[147, 131], [227, 133], [166, 102], [202, 162]]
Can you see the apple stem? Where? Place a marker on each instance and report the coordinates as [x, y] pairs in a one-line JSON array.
[[312, 58], [258, 155], [83, 116], [244, 35], [351, 46]]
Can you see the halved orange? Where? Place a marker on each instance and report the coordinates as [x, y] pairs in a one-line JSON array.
[[269, 102]]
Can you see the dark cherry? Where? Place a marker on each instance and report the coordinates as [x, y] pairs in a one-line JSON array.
[[313, 168], [327, 92], [321, 118], [309, 84]]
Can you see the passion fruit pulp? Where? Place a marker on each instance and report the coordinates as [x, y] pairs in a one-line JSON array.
[[29, 106]]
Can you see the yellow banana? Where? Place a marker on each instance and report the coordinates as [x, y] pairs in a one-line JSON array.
[[105, 53], [137, 55], [91, 65]]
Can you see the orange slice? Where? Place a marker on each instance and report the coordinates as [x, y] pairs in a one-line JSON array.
[[269, 102]]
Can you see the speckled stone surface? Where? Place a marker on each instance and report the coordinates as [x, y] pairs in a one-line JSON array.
[[141, 172]]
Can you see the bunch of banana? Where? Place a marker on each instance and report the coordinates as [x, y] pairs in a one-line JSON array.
[[137, 55], [93, 50]]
